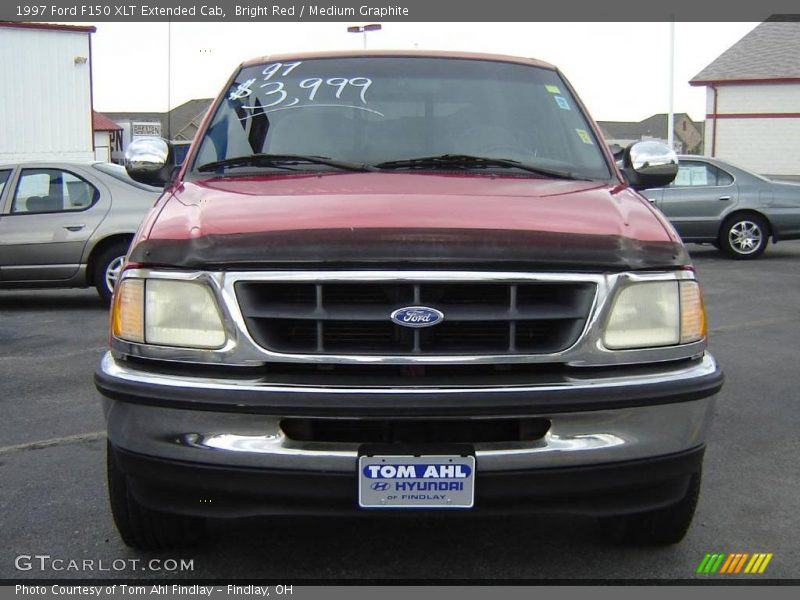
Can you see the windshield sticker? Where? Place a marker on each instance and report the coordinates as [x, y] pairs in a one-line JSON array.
[[562, 102], [553, 89], [243, 91], [278, 93], [339, 83], [584, 135], [691, 176], [270, 70], [315, 105]]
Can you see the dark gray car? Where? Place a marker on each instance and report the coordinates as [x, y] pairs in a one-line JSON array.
[[68, 224], [711, 201]]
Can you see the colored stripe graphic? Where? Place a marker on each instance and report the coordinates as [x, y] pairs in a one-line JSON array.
[[759, 564], [734, 560], [715, 567], [752, 563], [711, 562], [740, 564], [729, 564], [765, 563], [703, 563]]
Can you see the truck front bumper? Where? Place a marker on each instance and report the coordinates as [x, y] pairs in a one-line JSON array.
[[617, 441]]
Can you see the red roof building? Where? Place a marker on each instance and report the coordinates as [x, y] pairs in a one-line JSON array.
[[100, 122]]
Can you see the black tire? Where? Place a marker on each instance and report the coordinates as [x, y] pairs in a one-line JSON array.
[[107, 261], [659, 527], [143, 528], [744, 236]]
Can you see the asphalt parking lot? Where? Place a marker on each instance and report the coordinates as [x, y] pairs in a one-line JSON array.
[[52, 473]]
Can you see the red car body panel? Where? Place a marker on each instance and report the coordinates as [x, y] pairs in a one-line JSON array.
[[232, 205], [464, 221]]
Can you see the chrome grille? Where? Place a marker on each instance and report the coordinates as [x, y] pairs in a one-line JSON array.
[[354, 317]]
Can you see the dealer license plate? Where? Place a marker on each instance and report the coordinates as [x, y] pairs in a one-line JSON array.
[[430, 481]]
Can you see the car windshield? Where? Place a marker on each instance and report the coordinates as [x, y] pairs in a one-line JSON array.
[[118, 172], [373, 110]]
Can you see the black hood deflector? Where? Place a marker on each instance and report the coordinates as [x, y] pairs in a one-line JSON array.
[[460, 249]]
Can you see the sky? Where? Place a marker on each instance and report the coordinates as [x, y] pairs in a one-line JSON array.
[[620, 70]]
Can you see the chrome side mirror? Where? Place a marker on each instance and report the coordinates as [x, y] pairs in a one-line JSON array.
[[150, 161], [649, 165]]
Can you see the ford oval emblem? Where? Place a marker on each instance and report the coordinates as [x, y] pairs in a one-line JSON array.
[[417, 316]]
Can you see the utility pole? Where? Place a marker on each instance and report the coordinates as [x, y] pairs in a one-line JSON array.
[[671, 116]]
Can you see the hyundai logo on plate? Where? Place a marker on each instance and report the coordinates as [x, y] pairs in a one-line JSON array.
[[380, 486], [417, 316]]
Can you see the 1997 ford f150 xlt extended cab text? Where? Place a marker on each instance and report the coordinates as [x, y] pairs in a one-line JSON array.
[[388, 281]]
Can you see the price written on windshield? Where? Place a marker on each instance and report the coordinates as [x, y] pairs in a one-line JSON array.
[[274, 92]]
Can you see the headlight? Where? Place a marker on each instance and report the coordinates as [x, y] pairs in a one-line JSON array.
[[168, 313], [127, 317], [693, 313], [658, 313]]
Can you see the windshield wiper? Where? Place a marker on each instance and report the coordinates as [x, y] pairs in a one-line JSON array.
[[282, 161], [466, 161]]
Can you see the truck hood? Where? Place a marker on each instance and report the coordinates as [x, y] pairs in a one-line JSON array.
[[401, 219]]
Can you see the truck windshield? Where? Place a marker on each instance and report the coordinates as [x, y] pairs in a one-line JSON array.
[[375, 110]]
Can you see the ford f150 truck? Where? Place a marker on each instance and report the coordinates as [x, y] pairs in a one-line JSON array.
[[384, 282]]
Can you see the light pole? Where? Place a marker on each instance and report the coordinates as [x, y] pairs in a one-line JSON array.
[[364, 29], [671, 115]]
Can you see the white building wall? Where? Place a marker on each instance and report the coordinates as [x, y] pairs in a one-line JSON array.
[[102, 146], [768, 145], [45, 96], [762, 98]]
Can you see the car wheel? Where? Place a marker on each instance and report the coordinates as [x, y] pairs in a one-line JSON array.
[[143, 528], [744, 237], [658, 527], [107, 269]]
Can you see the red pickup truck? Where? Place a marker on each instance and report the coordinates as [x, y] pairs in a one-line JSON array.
[[388, 282]]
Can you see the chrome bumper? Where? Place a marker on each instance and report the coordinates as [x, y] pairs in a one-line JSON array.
[[243, 434]]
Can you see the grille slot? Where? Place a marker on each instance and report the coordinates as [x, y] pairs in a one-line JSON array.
[[354, 318], [459, 294], [361, 431], [364, 336], [288, 335], [467, 336]]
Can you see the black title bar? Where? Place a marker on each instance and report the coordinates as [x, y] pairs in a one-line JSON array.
[[67, 11]]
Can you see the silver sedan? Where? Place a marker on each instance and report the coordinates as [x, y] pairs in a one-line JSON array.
[[68, 224], [711, 201]]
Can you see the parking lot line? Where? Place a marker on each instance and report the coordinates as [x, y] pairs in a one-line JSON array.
[[753, 324], [58, 441]]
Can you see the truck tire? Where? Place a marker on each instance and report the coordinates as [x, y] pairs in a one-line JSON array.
[[106, 269], [143, 528], [658, 527]]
